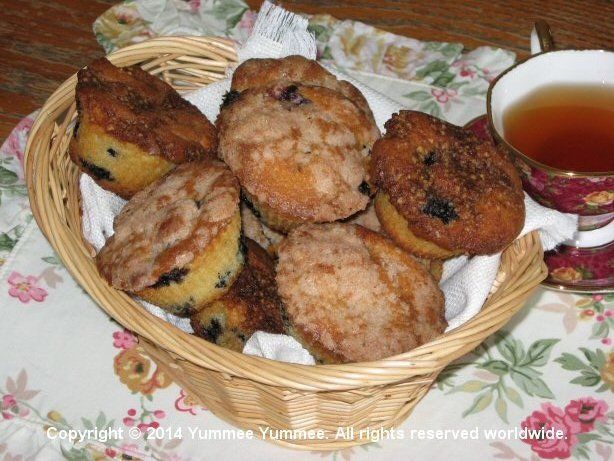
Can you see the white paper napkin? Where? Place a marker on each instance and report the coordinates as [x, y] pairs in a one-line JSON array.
[[466, 282]]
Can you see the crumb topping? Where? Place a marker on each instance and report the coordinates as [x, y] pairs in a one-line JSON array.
[[453, 189], [262, 72], [135, 106], [355, 294], [303, 159], [164, 227]]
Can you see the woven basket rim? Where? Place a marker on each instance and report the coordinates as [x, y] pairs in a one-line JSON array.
[[430, 357]]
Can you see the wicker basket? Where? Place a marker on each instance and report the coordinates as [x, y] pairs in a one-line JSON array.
[[247, 391]]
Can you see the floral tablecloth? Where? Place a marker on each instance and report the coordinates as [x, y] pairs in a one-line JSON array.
[[65, 365]]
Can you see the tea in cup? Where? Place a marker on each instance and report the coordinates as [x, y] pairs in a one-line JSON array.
[[554, 114]]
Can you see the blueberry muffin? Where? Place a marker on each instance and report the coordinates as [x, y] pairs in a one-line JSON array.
[[443, 192], [263, 72], [177, 242], [300, 152], [252, 304], [132, 128], [351, 295]]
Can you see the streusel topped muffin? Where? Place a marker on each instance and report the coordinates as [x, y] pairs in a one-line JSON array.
[[176, 243], [132, 128], [300, 152], [441, 191], [351, 295]]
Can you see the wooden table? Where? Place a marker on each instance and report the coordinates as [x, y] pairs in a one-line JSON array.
[[42, 42]]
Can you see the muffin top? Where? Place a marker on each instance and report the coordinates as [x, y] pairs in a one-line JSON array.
[[263, 72], [452, 188], [352, 295], [164, 227], [300, 149], [137, 107]]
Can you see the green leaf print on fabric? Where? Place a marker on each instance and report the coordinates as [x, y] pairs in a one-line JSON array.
[[446, 377], [538, 353], [516, 371], [528, 380], [449, 50], [426, 103], [10, 185], [444, 79], [54, 260], [420, 95], [432, 69], [230, 11], [480, 403], [321, 33], [595, 368], [6, 242], [7, 177]]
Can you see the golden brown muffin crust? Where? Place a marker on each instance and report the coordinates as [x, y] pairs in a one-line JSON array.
[[453, 189], [263, 72], [165, 226], [352, 295], [301, 150], [137, 107]]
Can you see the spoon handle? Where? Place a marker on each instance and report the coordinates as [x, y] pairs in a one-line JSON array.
[[541, 38]]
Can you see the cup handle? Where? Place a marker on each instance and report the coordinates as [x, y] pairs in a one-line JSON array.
[[541, 38]]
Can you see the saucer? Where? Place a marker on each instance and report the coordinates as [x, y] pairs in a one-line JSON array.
[[581, 270]]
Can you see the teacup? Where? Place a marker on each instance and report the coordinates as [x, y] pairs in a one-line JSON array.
[[590, 195]]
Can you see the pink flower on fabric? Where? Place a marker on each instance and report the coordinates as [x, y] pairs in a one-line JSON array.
[[550, 417], [11, 408], [25, 288], [8, 401], [124, 339], [466, 69], [443, 95], [467, 72], [584, 412]]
